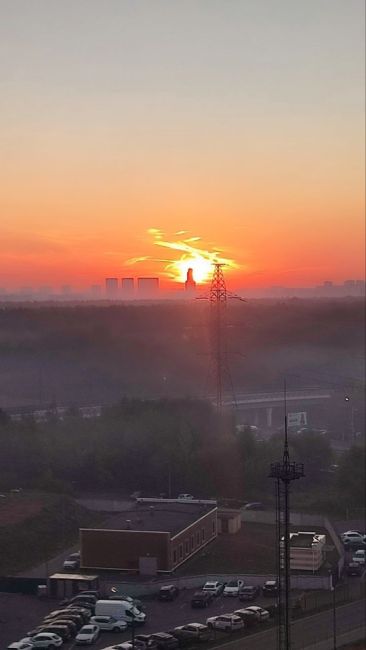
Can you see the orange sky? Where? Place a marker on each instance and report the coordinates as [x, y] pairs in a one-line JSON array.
[[240, 126]]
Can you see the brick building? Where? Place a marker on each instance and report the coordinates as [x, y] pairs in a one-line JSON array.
[[149, 538]]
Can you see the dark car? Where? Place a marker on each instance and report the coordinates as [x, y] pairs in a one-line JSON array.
[[66, 615], [60, 630], [201, 599], [249, 592], [250, 619], [71, 625], [270, 588], [164, 640], [168, 592], [354, 569], [146, 642], [80, 599], [84, 612]]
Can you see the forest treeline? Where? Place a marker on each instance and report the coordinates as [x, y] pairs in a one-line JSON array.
[[89, 354], [171, 446]]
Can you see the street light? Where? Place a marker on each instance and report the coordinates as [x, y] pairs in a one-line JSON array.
[[333, 588]]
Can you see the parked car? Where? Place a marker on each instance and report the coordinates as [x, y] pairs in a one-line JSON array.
[[141, 642], [146, 641], [201, 598], [191, 632], [359, 557], [353, 539], [185, 497], [80, 599], [354, 569], [23, 644], [254, 505], [61, 630], [84, 612], [250, 592], [46, 640], [65, 615], [261, 614], [165, 641], [71, 625], [270, 588], [249, 618], [168, 592], [233, 587], [72, 562], [225, 622], [109, 623], [91, 592], [214, 588], [87, 635], [133, 601]]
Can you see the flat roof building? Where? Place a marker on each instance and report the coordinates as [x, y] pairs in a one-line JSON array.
[[149, 538], [147, 287], [111, 287]]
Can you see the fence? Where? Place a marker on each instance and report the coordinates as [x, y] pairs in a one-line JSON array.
[[13, 585]]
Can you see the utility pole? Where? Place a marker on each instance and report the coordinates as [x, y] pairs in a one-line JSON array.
[[284, 472]]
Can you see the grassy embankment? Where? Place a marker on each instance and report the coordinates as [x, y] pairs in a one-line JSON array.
[[35, 526]]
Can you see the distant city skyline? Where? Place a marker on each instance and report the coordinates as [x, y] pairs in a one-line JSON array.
[[148, 288]]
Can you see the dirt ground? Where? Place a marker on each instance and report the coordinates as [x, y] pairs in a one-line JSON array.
[[15, 508]]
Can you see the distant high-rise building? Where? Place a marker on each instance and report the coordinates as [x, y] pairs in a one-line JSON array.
[[66, 289], [147, 287], [96, 290], [127, 286], [111, 287], [190, 284], [45, 290]]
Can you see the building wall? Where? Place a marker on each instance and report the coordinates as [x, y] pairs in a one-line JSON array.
[[121, 549], [193, 538]]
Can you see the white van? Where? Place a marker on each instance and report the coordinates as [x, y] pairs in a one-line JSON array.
[[121, 610]]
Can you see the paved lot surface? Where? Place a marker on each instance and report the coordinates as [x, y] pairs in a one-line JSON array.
[[18, 614]]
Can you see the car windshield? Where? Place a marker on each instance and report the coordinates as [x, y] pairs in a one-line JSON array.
[[86, 629], [232, 583]]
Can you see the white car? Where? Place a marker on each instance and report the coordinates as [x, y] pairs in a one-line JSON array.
[[87, 635], [46, 640], [185, 497], [226, 622], [232, 588], [261, 614], [359, 557], [109, 623], [214, 588], [23, 644], [352, 537]]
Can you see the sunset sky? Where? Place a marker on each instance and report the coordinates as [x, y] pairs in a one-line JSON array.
[[238, 122]]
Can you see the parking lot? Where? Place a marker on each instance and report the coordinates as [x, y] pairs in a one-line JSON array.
[[19, 614]]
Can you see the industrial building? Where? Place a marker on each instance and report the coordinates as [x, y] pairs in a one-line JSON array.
[[307, 551], [127, 286], [149, 538]]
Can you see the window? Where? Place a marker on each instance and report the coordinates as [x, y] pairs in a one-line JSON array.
[[186, 544], [180, 551], [192, 543], [203, 534], [175, 556]]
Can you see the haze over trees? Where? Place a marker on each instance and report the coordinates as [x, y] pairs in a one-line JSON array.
[[167, 447], [98, 354]]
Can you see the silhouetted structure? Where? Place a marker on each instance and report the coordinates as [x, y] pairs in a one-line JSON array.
[[284, 472], [127, 286], [190, 284], [111, 287]]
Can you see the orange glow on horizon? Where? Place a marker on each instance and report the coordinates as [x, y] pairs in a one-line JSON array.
[[191, 256]]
